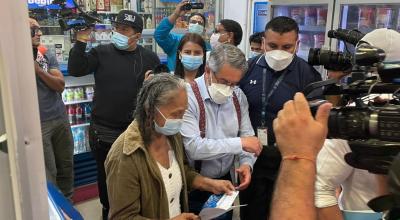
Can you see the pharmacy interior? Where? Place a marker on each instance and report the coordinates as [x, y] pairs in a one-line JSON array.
[[314, 17]]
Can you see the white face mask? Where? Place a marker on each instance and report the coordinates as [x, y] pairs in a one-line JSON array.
[[214, 40], [219, 93], [278, 60], [171, 126]]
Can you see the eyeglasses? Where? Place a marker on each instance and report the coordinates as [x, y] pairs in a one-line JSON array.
[[223, 81], [35, 31], [196, 22]]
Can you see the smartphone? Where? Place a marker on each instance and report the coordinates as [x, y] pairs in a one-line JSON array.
[[190, 6]]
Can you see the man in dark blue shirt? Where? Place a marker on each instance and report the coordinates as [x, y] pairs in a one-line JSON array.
[[273, 78]]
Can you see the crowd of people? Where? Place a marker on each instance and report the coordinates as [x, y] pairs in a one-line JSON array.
[[164, 142]]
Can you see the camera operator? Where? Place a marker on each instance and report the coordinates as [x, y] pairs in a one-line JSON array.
[[358, 186], [272, 79], [168, 41], [119, 69]]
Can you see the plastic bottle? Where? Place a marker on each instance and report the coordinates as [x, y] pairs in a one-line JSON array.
[[79, 114], [88, 113], [71, 114], [87, 146], [75, 137], [80, 140], [89, 92], [149, 23]]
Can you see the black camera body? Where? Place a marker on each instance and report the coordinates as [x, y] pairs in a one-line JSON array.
[[365, 120], [75, 18], [195, 5]]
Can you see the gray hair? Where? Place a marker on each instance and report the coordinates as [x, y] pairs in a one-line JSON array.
[[227, 54], [157, 91]]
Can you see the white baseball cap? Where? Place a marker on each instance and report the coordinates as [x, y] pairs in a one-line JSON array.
[[387, 40]]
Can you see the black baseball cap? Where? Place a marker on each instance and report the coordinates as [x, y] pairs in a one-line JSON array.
[[130, 18]]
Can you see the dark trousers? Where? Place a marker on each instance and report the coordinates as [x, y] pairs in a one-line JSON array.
[[58, 149], [258, 197], [100, 150], [197, 199]]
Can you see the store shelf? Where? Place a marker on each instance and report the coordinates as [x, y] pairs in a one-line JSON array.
[[80, 125], [145, 13], [107, 12], [78, 102], [146, 32], [312, 28], [71, 81]]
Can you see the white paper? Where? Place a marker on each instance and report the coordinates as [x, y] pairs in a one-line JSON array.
[[223, 205]]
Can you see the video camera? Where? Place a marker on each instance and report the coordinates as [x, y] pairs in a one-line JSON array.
[[335, 60], [75, 18], [371, 127], [367, 125]]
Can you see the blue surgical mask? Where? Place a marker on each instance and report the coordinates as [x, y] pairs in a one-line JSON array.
[[171, 126], [196, 29], [253, 54], [120, 41], [191, 62]]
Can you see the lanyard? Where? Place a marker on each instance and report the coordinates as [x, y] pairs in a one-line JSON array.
[[265, 99]]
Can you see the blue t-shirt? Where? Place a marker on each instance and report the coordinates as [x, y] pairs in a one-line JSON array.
[[51, 105]]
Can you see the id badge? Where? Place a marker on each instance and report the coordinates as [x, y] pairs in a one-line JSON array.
[[262, 134]]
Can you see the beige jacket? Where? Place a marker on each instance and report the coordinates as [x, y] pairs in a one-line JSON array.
[[135, 186]]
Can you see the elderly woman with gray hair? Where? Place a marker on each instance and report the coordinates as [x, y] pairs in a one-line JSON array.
[[147, 174]]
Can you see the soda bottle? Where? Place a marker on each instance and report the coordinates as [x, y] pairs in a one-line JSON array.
[[88, 112], [71, 114], [79, 114]]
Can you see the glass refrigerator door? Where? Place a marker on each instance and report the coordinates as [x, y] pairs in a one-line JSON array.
[[367, 17], [312, 21]]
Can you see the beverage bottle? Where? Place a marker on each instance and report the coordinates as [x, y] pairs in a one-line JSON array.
[[71, 114], [81, 93], [89, 92], [76, 94], [81, 141], [69, 95], [88, 113], [75, 137], [79, 114], [87, 146], [149, 24]]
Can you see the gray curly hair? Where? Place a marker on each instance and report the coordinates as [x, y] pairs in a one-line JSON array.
[[157, 91]]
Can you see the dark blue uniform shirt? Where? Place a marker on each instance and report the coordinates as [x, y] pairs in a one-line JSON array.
[[298, 75]]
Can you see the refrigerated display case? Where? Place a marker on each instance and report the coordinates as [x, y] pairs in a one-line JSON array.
[[314, 18], [153, 11], [365, 16]]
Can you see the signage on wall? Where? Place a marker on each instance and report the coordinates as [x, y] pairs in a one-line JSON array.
[[33, 4], [260, 16]]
